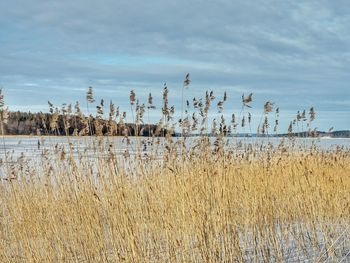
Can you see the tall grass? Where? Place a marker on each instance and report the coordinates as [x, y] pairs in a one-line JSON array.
[[151, 199]]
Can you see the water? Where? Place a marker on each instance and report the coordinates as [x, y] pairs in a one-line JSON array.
[[30, 147]]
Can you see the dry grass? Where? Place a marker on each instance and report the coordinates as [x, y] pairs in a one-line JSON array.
[[206, 207], [175, 201]]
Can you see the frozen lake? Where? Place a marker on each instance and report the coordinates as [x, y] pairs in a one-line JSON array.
[[31, 146]]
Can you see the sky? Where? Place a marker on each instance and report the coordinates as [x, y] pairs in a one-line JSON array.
[[293, 53]]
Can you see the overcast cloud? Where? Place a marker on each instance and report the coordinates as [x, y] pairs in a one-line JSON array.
[[295, 53]]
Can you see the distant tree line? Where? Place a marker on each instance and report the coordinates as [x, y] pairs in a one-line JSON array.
[[27, 123]]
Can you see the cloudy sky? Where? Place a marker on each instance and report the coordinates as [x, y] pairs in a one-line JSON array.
[[294, 53]]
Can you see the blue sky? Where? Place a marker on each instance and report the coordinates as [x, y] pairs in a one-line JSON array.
[[294, 53]]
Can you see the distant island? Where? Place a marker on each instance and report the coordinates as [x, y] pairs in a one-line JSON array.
[[27, 123], [332, 134]]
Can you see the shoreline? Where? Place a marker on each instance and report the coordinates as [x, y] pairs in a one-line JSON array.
[[120, 136]]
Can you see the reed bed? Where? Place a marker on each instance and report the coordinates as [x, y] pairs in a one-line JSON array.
[[165, 199]]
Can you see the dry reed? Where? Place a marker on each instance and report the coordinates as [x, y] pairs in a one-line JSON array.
[[176, 200]]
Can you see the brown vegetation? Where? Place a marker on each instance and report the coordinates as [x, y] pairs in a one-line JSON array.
[[175, 199]]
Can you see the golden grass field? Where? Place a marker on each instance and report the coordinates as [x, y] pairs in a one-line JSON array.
[[197, 207], [206, 201]]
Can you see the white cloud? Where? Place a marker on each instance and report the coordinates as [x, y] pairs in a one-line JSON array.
[[294, 53]]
